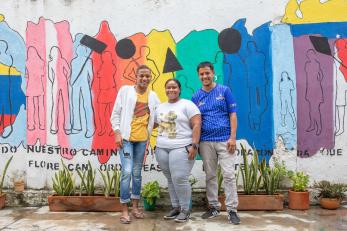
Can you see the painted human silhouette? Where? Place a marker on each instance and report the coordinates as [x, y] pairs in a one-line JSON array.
[[81, 97], [6, 63], [314, 91], [106, 75], [35, 71], [341, 85], [256, 83], [58, 75], [286, 87], [130, 70]]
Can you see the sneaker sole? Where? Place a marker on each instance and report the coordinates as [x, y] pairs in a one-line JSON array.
[[181, 221], [211, 217], [169, 218], [234, 223]]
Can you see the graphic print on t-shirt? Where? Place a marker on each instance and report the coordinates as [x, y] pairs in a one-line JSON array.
[[168, 124], [141, 109], [140, 119]]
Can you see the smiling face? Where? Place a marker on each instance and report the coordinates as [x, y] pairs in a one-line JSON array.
[[206, 76], [172, 91], [143, 78]]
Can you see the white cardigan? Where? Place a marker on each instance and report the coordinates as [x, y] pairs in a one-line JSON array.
[[123, 110]]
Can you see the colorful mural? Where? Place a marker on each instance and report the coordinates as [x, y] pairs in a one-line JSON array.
[[290, 80]]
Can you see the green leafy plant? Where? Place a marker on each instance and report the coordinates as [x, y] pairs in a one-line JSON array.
[[87, 180], [330, 190], [219, 180], [271, 178], [300, 181], [281, 168], [111, 182], [192, 180], [63, 182], [250, 172], [116, 184], [4, 173], [151, 191]]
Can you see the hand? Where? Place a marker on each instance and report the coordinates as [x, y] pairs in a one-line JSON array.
[[119, 140], [231, 145], [191, 153]]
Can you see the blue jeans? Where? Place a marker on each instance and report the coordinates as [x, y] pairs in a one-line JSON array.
[[131, 156]]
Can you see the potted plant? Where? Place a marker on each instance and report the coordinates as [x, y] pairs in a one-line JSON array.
[[221, 195], [150, 193], [18, 180], [65, 198], [87, 178], [111, 183], [331, 194], [192, 181], [3, 195], [298, 196], [260, 184]]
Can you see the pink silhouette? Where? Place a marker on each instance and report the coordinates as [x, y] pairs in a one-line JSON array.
[[35, 71]]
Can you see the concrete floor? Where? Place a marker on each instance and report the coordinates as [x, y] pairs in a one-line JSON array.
[[30, 218]]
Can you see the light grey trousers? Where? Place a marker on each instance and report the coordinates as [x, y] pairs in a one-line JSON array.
[[176, 167], [213, 153]]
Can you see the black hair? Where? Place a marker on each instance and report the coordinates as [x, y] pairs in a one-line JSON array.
[[205, 64], [142, 67], [175, 80]]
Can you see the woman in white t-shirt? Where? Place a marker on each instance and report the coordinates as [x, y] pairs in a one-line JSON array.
[[179, 124]]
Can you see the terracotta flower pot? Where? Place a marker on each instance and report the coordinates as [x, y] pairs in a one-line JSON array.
[[330, 203], [256, 202], [221, 199], [260, 202], [2, 200], [97, 203], [299, 200], [19, 186]]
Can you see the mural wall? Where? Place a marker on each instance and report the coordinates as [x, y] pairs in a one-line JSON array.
[[58, 85]]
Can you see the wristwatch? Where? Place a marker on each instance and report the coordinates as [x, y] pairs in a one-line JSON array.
[[195, 146]]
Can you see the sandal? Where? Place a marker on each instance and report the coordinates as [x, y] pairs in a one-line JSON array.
[[124, 220], [138, 214]]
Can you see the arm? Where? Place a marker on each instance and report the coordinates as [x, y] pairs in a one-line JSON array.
[[115, 118], [195, 124], [154, 69], [156, 104], [231, 143], [90, 74], [66, 70], [50, 73], [232, 108], [129, 72], [26, 73], [155, 125], [320, 75]]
